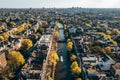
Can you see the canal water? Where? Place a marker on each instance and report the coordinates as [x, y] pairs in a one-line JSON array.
[[63, 65]]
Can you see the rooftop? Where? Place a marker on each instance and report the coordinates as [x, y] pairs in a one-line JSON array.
[[117, 66]]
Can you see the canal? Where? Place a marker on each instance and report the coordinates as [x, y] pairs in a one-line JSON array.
[[63, 65]]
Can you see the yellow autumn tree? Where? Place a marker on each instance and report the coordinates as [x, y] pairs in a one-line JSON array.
[[108, 49], [114, 42], [115, 32], [74, 64], [75, 68], [69, 46], [66, 34], [57, 25], [102, 34], [45, 23], [56, 34], [1, 38], [16, 58], [97, 49], [73, 57], [26, 44], [5, 35], [108, 32], [53, 58], [50, 78], [65, 26], [13, 23], [79, 79], [70, 43], [68, 40], [88, 25]]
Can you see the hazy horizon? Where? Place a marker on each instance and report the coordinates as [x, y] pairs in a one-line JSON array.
[[59, 4]]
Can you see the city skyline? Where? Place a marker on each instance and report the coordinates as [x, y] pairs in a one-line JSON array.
[[59, 4]]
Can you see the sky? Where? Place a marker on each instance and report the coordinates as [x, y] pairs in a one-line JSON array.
[[59, 3]]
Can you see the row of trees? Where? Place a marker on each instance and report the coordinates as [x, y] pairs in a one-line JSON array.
[[69, 45], [18, 30], [54, 58], [98, 49], [75, 69]]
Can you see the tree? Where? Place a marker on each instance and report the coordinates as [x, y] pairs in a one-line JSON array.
[[79, 79], [16, 58], [108, 50], [74, 64], [50, 78], [40, 30], [65, 26], [69, 46], [73, 57], [5, 35], [45, 23], [56, 34], [66, 34], [88, 25], [75, 68], [57, 25], [54, 58], [97, 49], [114, 42], [13, 23], [108, 32], [115, 32], [68, 40], [1, 38], [26, 44], [70, 43], [102, 34]]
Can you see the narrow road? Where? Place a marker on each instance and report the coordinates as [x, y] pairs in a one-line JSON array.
[[63, 66]]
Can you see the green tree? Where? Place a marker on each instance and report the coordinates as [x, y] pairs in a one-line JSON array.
[[40, 30]]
